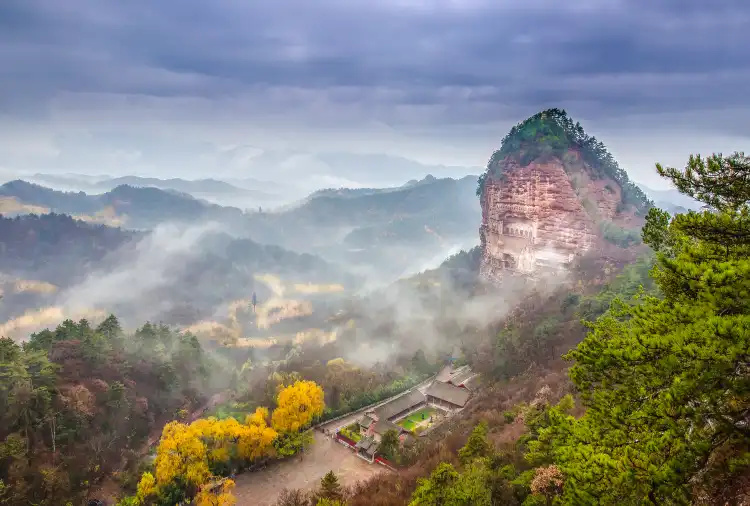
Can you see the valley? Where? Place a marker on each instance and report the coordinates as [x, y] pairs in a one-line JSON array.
[[359, 348]]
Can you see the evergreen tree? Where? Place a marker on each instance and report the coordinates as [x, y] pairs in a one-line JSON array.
[[446, 487], [110, 328], [330, 487], [665, 380], [477, 446], [438, 490]]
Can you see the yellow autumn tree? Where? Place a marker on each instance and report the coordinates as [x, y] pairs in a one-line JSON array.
[[181, 452], [255, 438], [219, 436], [298, 404], [146, 487], [219, 495]]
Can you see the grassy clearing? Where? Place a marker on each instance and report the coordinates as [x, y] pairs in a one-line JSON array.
[[352, 432], [236, 410], [411, 421]]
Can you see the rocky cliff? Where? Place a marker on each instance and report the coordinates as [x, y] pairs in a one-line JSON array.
[[551, 193]]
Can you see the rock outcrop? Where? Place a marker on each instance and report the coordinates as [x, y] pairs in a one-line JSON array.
[[532, 220], [539, 212]]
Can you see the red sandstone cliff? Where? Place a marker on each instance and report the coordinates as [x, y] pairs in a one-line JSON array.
[[543, 214]]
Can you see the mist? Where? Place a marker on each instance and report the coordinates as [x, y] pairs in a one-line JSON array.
[[155, 262], [347, 279]]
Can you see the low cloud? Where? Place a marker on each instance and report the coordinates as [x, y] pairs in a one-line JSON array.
[[136, 273]]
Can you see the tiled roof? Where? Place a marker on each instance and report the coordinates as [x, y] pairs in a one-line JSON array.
[[461, 376], [445, 374], [368, 444], [365, 421], [449, 393], [400, 404], [473, 383], [383, 426]]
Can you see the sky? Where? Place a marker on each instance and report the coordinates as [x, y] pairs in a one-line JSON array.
[[193, 88]]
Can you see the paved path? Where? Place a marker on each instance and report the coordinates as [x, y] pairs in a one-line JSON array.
[[262, 488]]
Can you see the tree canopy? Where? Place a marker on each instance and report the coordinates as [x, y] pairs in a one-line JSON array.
[[77, 402], [664, 380]]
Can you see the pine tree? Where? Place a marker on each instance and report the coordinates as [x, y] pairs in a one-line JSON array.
[[665, 380], [477, 446], [438, 490], [389, 445], [110, 328], [330, 487]]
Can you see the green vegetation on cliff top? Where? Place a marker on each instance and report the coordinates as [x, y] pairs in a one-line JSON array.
[[552, 133]]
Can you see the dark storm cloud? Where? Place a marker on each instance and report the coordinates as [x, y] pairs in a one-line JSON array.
[[468, 61]]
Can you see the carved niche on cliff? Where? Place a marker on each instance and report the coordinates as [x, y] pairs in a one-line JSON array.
[[532, 219]]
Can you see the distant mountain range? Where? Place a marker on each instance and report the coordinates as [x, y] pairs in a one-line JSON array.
[[308, 170], [378, 228], [134, 207], [671, 200], [247, 176], [244, 194], [398, 229]]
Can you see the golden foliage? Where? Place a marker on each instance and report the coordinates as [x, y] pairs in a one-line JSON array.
[[190, 451], [146, 487], [298, 404], [220, 495], [308, 288], [181, 452], [216, 496], [11, 205]]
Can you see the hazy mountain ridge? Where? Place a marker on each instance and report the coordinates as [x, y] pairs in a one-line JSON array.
[[134, 207], [671, 200], [378, 228], [346, 168], [273, 176], [399, 229]]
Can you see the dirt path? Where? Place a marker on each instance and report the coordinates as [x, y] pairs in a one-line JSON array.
[[262, 488]]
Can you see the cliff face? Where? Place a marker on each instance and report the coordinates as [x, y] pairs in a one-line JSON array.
[[539, 213], [531, 220]]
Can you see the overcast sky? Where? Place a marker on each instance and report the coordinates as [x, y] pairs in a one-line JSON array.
[[169, 87]]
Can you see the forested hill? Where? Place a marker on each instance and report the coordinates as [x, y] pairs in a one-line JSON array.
[[134, 207], [78, 403], [53, 246], [192, 271]]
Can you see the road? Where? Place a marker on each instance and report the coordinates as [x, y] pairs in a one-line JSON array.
[[262, 488]]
